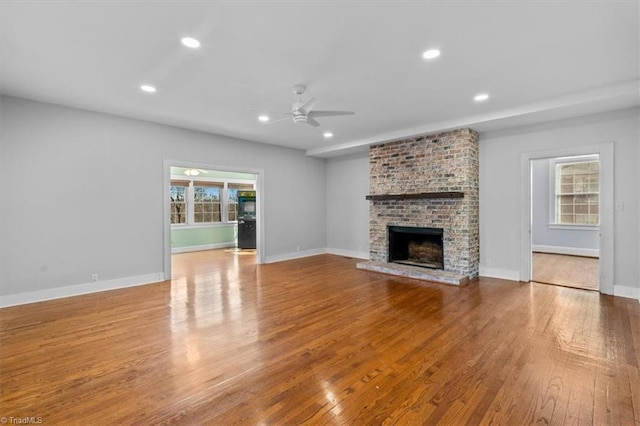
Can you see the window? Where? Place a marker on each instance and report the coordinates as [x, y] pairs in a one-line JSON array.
[[206, 202], [232, 199], [178, 191], [577, 192]]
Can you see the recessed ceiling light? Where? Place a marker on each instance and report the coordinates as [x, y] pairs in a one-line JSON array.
[[192, 172], [190, 42], [481, 97], [263, 118], [327, 135], [147, 88], [431, 53]]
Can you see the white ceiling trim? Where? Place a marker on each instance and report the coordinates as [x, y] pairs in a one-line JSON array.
[[608, 98]]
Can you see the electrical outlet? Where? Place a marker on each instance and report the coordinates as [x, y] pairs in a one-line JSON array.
[[94, 278], [298, 248], [488, 262]]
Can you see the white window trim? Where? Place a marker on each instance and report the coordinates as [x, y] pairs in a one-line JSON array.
[[224, 201], [190, 206], [224, 206], [186, 201], [552, 192], [569, 226]]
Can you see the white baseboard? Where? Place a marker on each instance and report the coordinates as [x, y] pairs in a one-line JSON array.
[[625, 291], [202, 247], [294, 255], [76, 290], [573, 251], [505, 274], [349, 253]]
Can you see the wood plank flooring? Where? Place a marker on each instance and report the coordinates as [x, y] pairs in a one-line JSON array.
[[569, 271], [315, 341]]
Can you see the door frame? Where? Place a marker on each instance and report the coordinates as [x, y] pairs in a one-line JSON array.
[[166, 185], [606, 246]]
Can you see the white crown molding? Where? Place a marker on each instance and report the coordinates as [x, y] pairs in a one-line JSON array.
[[604, 99]]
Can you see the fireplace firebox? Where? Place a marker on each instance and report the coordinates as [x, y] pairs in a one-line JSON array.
[[416, 246]]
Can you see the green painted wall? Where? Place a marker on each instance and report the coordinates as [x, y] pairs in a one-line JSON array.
[[186, 237]]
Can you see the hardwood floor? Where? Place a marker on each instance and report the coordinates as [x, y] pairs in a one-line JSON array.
[[315, 341], [569, 271]]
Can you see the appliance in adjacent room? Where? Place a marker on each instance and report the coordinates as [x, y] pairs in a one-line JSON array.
[[246, 219]]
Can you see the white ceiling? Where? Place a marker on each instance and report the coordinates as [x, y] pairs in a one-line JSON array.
[[538, 60]]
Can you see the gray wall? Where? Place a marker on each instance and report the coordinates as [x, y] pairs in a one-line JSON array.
[[347, 208], [500, 214], [69, 206], [82, 193], [541, 233]]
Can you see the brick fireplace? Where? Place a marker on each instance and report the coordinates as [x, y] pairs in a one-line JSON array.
[[426, 182]]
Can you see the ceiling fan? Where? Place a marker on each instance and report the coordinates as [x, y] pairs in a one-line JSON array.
[[302, 112]]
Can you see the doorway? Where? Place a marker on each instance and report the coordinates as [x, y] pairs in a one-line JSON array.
[[605, 209], [565, 215], [201, 208]]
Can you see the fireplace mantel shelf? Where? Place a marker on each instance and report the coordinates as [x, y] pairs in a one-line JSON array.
[[421, 195]]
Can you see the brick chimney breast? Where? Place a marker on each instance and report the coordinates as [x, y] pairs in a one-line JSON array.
[[445, 162]]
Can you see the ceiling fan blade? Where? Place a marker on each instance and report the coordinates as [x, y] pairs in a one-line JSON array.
[[329, 113], [312, 122], [308, 106], [276, 121]]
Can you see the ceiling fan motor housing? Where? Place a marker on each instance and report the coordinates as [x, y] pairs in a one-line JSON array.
[[299, 116], [298, 89]]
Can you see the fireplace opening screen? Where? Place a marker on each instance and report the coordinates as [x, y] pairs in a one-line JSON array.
[[416, 246]]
